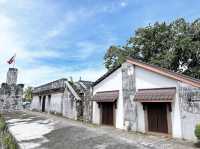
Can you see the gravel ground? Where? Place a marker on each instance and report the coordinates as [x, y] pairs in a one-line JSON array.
[[35, 130]]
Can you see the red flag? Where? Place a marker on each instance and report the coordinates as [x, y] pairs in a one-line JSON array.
[[12, 59]]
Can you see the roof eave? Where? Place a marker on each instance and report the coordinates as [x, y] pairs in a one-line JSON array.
[[105, 76]]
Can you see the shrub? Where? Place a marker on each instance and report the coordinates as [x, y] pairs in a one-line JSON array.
[[197, 131], [9, 142], [2, 124], [6, 138]]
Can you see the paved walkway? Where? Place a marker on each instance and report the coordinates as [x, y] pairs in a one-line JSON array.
[[35, 130]]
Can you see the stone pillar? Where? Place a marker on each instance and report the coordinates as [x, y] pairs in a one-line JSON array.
[[129, 89], [65, 102], [12, 76], [88, 106], [19, 96]]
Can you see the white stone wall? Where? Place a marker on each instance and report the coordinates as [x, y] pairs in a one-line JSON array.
[[176, 118], [69, 105], [48, 104], [184, 119], [145, 80], [35, 105], [141, 120], [190, 111], [112, 82], [56, 103]]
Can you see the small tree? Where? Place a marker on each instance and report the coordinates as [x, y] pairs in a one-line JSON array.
[[28, 94]]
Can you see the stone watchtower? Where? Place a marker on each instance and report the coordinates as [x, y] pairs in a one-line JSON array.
[[10, 92], [12, 76]]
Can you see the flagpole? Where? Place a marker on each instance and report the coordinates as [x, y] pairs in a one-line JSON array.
[[14, 64], [14, 60]]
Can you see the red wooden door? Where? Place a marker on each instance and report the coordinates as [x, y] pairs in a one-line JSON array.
[[157, 117], [107, 113]]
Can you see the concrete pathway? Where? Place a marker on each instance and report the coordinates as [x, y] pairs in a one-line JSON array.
[[35, 130]]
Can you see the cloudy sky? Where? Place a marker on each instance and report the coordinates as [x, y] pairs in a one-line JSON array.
[[60, 38]]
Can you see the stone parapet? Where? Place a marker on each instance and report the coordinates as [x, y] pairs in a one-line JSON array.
[[52, 86]]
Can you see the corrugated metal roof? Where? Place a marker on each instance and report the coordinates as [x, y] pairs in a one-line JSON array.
[[107, 96], [155, 95]]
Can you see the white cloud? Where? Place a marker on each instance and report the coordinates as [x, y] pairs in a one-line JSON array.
[[8, 38], [3, 1], [63, 24], [7, 34], [68, 21], [11, 42], [86, 49], [32, 56], [16, 37], [44, 74], [113, 6], [123, 4]]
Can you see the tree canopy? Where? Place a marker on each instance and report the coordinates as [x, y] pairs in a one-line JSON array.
[[175, 46]]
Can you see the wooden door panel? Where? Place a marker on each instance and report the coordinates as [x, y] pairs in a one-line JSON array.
[[157, 117], [107, 113]]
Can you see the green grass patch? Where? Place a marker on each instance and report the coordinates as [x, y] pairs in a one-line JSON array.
[[7, 140]]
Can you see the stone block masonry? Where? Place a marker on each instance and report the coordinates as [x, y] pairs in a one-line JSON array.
[[11, 93], [130, 107], [190, 109]]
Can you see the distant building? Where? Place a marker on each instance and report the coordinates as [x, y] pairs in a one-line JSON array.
[[11, 93], [65, 98]]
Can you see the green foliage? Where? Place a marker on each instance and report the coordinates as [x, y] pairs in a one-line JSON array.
[[2, 124], [6, 138], [197, 131], [175, 46], [28, 93], [115, 56], [9, 142]]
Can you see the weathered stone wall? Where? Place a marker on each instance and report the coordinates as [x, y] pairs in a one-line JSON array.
[[190, 109], [12, 76], [69, 105], [87, 106], [35, 103], [49, 87], [11, 93], [129, 89], [73, 100]]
